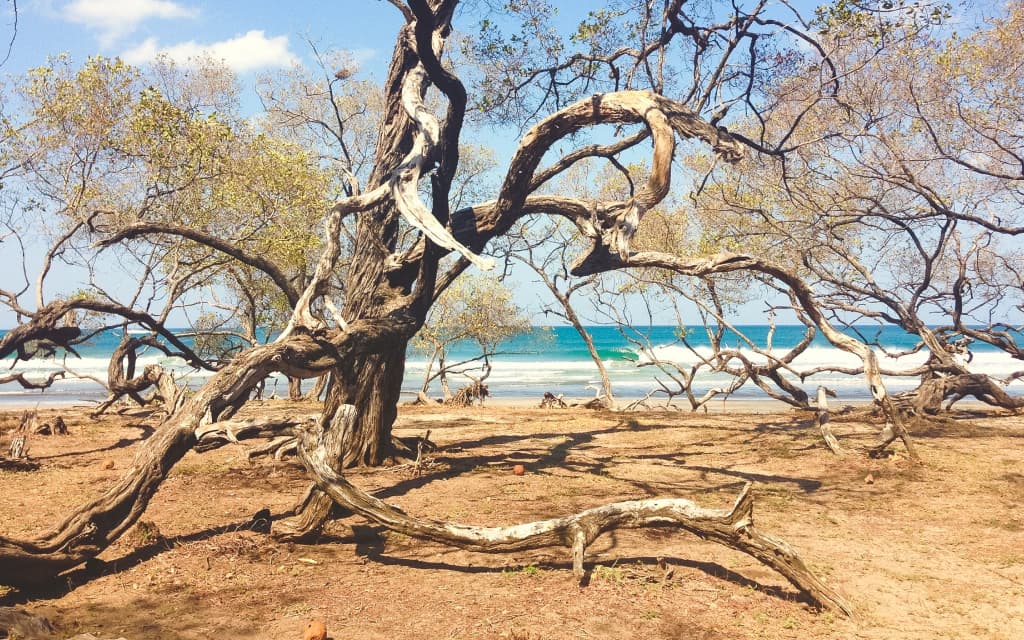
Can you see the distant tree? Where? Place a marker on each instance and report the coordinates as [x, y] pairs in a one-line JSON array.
[[474, 309], [190, 206], [907, 213]]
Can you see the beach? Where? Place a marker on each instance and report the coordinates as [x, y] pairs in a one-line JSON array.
[[929, 550]]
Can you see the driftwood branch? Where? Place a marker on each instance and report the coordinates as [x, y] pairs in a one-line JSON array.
[[731, 527], [823, 422]]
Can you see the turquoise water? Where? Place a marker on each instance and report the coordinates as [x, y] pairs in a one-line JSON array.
[[555, 359]]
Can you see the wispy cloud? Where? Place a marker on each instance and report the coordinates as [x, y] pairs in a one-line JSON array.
[[115, 19], [248, 52]]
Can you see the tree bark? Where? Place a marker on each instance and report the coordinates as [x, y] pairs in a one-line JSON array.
[[294, 389], [823, 422], [359, 410], [313, 395], [373, 385]]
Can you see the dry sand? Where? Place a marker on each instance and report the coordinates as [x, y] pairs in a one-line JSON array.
[[924, 551]]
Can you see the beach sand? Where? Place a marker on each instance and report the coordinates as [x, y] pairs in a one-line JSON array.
[[922, 551]]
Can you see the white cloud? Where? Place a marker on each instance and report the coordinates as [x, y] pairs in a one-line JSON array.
[[115, 19], [248, 52]]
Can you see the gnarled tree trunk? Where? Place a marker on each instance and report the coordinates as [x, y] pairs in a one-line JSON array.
[[359, 410], [373, 386], [928, 398]]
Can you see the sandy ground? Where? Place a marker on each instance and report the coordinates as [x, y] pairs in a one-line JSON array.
[[923, 551]]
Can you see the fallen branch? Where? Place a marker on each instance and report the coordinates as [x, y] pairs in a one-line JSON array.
[[826, 431], [731, 527]]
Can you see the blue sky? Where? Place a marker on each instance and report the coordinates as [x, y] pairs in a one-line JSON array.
[[249, 36]]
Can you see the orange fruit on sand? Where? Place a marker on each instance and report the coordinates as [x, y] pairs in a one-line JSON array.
[[519, 470], [315, 630]]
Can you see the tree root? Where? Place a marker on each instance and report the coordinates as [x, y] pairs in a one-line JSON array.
[[280, 430], [731, 527]]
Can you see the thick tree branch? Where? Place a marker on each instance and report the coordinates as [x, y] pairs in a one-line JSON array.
[[31, 384], [43, 327]]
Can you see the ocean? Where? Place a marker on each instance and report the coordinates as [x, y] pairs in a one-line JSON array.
[[551, 359]]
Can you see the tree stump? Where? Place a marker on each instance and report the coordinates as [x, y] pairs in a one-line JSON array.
[[19, 443]]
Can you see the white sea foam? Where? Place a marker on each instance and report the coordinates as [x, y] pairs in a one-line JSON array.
[[518, 376], [995, 363]]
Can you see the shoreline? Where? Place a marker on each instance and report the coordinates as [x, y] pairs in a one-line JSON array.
[[738, 405]]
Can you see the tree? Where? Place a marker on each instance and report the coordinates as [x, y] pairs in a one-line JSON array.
[[475, 309], [660, 75], [883, 216], [179, 195]]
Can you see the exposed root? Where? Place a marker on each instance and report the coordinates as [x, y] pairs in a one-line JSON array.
[[731, 527]]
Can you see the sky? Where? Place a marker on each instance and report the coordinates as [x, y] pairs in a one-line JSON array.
[[249, 36]]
